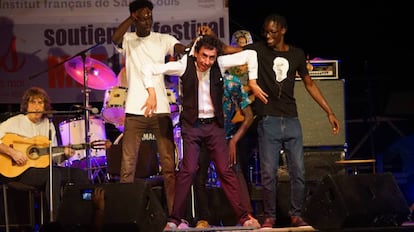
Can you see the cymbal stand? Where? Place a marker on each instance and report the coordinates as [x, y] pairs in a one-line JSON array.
[[86, 92]]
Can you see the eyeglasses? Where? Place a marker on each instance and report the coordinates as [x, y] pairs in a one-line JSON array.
[[271, 33]]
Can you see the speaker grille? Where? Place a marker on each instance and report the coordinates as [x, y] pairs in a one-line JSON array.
[[364, 200], [315, 124]]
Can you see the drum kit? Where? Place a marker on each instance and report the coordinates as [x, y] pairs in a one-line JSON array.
[[94, 74]]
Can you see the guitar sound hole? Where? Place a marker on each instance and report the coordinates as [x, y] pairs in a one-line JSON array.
[[33, 153]]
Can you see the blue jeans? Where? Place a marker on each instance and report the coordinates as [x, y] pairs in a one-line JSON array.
[[275, 134]]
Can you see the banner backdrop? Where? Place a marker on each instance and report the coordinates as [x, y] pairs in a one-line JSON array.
[[39, 36]]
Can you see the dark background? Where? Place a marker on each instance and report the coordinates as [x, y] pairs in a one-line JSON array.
[[369, 39]]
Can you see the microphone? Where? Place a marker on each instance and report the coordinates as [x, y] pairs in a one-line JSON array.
[[93, 110]]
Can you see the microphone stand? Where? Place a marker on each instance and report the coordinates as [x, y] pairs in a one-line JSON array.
[[81, 53], [51, 210]]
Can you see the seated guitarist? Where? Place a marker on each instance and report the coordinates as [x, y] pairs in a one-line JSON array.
[[28, 125]]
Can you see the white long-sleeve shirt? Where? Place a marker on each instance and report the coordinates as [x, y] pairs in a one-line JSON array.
[[177, 68], [140, 52]]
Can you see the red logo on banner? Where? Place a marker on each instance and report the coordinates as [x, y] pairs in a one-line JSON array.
[[9, 62]]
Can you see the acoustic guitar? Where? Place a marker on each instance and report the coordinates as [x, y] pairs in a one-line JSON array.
[[37, 151]]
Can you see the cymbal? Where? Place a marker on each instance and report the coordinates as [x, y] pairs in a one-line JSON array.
[[99, 75]]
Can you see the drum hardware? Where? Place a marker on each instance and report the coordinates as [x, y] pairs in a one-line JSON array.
[[91, 74], [98, 163], [72, 132]]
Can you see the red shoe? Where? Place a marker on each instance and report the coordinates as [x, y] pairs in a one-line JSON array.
[[297, 221], [269, 223]]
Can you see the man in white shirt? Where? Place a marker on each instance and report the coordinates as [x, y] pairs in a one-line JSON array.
[[139, 49]]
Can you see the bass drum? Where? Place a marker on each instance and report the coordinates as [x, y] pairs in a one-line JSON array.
[[72, 131]]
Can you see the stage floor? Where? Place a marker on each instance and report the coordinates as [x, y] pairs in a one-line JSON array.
[[403, 228]]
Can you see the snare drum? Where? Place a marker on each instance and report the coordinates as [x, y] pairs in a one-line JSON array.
[[72, 131], [113, 110]]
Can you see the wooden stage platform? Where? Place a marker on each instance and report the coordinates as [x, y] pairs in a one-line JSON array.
[[406, 227]]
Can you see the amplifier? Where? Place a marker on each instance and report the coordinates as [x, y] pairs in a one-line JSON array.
[[323, 69], [315, 125]]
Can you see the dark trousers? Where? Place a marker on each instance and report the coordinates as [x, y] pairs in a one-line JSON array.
[[214, 138], [161, 126], [201, 195]]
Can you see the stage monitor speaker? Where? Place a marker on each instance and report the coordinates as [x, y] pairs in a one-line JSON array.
[[316, 128], [319, 163], [351, 201], [125, 204]]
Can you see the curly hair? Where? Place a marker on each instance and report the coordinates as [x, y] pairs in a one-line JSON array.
[[209, 42], [35, 92]]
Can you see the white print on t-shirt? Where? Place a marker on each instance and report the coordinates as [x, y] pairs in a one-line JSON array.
[[280, 67]]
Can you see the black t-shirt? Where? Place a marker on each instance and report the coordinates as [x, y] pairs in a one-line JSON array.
[[276, 76]]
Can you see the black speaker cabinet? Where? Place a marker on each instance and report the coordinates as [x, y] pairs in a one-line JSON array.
[[125, 204], [319, 163], [283, 200], [350, 201], [315, 125], [147, 162]]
